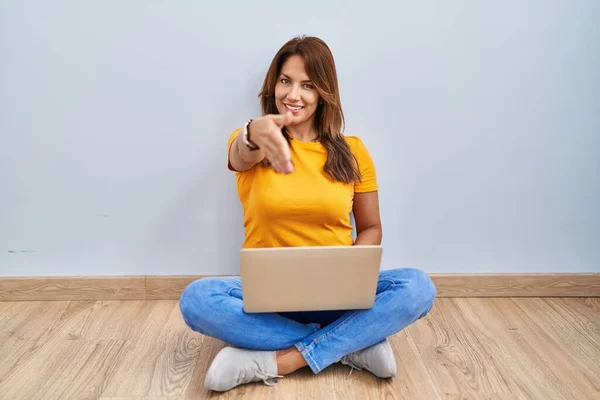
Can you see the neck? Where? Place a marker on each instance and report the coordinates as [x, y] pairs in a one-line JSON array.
[[303, 132]]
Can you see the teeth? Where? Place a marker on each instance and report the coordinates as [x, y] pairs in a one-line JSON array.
[[293, 108]]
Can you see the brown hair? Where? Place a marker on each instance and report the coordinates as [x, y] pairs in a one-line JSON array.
[[341, 165]]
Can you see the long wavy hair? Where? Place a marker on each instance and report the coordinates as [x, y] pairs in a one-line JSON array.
[[341, 165]]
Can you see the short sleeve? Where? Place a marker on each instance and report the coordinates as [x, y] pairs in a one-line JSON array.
[[366, 168], [229, 143]]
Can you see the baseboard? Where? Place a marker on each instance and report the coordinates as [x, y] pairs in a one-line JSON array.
[[170, 287], [517, 285], [72, 288]]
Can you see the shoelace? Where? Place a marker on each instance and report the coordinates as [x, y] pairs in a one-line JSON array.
[[350, 373], [352, 367], [270, 379]]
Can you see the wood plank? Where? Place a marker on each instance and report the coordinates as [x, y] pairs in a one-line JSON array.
[[47, 325], [26, 320], [454, 358], [145, 398], [72, 288], [23, 335], [66, 369], [333, 383], [413, 380], [110, 320], [465, 348], [181, 347], [585, 312], [196, 390], [576, 344], [14, 352], [517, 285], [551, 352], [102, 322], [92, 367], [527, 359], [161, 361], [524, 373], [9, 309]]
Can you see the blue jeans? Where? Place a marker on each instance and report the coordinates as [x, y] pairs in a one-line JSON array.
[[213, 307]]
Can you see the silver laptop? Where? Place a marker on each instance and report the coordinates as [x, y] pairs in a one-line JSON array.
[[316, 278]]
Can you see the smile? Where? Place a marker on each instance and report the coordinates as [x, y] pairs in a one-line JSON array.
[[292, 108]]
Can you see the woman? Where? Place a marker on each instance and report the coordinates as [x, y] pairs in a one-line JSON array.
[[298, 178]]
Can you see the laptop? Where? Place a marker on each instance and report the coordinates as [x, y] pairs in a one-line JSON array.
[[282, 279]]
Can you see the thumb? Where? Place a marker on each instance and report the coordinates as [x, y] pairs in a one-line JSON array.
[[283, 119]]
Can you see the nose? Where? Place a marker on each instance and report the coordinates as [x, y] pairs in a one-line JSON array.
[[294, 94]]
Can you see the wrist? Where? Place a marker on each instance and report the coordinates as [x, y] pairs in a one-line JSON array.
[[244, 152], [246, 137]]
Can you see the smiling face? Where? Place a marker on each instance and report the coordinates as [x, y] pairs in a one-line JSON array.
[[295, 93]]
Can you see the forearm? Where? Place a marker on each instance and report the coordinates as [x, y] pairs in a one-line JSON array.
[[240, 155], [369, 236]]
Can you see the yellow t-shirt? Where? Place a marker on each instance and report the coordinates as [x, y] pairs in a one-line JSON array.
[[304, 208]]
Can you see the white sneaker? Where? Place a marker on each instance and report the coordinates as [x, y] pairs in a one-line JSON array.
[[378, 359], [233, 367]]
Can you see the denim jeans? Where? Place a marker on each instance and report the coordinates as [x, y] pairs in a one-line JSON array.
[[214, 307]]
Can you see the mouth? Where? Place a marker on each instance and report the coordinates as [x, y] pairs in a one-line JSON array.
[[293, 109]]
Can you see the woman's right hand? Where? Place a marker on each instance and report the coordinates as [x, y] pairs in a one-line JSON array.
[[266, 133]]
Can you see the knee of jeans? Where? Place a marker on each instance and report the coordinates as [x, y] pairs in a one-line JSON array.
[[425, 292], [422, 291], [193, 303]]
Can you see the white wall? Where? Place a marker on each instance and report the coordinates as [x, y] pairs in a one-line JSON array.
[[483, 120]]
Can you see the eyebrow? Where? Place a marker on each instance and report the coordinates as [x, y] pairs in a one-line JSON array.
[[308, 80]]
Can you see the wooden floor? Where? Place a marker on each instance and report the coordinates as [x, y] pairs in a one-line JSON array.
[[505, 348]]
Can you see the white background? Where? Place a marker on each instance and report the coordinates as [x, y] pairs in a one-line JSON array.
[[483, 120]]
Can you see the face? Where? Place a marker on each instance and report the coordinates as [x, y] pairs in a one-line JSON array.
[[295, 93]]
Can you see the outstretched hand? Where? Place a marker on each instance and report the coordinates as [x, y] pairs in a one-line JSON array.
[[267, 133]]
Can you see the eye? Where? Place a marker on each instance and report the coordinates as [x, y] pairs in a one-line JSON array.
[[308, 86], [284, 81]]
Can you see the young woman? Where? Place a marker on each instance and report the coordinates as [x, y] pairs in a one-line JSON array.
[[299, 178]]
